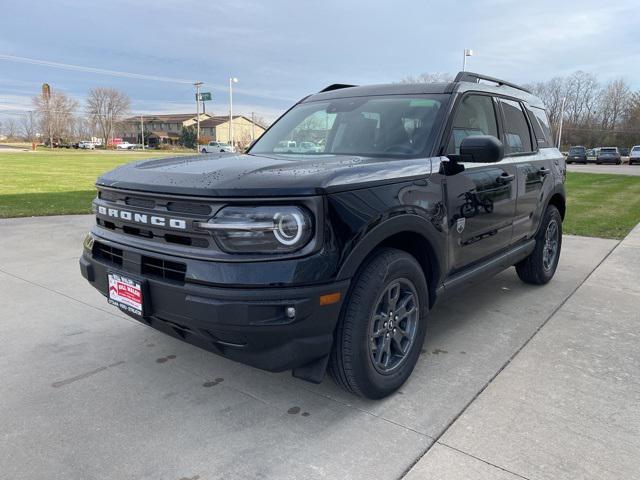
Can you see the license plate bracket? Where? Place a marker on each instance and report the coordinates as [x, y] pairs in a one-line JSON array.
[[127, 293]]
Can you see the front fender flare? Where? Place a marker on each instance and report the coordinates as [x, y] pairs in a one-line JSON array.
[[405, 223]]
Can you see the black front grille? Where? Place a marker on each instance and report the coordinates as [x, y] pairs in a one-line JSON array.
[[188, 207], [164, 269], [112, 201], [140, 202], [107, 253], [192, 241]]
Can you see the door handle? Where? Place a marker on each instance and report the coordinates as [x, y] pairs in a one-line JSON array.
[[505, 178], [543, 172]]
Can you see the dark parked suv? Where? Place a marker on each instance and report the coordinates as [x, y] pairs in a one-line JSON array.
[[577, 155], [331, 258], [609, 155]]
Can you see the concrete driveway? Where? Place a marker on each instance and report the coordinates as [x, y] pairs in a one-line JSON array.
[[624, 169], [90, 393]]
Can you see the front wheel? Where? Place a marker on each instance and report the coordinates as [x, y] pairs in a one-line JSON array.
[[382, 326], [540, 266]]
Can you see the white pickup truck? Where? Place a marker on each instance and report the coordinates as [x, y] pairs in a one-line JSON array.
[[215, 147]]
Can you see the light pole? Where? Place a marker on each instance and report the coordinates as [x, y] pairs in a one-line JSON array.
[[197, 85], [564, 99], [467, 53], [232, 80]]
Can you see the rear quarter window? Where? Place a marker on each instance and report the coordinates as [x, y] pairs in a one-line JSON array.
[[540, 122]]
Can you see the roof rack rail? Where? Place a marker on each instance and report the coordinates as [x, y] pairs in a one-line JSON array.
[[336, 86], [476, 77]]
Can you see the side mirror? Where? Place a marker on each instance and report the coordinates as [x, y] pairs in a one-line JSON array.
[[481, 149]]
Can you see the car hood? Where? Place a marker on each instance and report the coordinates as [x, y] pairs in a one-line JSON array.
[[236, 175]]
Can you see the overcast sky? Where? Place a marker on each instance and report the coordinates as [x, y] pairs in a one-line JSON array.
[[282, 50]]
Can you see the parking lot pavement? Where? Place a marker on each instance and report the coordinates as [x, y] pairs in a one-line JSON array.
[[568, 405], [616, 169], [90, 393]]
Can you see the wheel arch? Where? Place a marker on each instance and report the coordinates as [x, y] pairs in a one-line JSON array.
[[410, 233]]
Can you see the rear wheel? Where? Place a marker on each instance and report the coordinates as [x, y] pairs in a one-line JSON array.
[[204, 150], [540, 266], [382, 326]]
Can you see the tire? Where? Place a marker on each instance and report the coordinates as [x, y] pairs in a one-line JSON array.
[[353, 362], [537, 268], [204, 150]]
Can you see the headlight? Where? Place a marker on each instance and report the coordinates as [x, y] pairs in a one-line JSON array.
[[274, 229]]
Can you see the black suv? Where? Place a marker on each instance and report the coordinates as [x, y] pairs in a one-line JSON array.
[[577, 155], [328, 242]]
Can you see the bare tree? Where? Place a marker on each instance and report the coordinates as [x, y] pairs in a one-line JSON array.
[[436, 77], [107, 107], [614, 103], [55, 114], [10, 128], [581, 92], [29, 124]]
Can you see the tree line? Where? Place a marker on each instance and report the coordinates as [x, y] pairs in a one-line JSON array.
[[595, 113], [56, 116]]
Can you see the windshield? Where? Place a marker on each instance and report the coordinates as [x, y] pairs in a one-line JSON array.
[[636, 149], [607, 150], [390, 126], [577, 150]]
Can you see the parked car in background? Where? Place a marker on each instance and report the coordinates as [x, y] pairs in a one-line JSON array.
[[577, 154], [125, 146], [215, 147], [634, 155], [609, 155], [86, 145], [592, 154], [624, 151]]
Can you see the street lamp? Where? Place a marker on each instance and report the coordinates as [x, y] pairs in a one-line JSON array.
[[232, 80], [467, 53]]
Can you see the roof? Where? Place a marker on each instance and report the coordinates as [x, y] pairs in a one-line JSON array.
[[166, 118], [464, 82], [161, 134], [220, 119]]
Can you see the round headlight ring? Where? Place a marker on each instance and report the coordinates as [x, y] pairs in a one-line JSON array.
[[279, 228]]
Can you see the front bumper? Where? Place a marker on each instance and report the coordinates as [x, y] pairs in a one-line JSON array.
[[249, 325]]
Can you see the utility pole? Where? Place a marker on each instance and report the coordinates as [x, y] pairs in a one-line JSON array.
[[564, 99], [253, 127], [142, 131], [197, 85], [232, 80]]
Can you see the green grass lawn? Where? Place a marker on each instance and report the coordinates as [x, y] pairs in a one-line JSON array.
[[61, 182], [55, 182], [600, 205]]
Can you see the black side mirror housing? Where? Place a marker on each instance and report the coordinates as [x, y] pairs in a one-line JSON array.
[[481, 149]]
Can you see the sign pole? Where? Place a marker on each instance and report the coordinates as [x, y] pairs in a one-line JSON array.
[[197, 85]]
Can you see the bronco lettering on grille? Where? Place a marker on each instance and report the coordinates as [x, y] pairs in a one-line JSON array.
[[143, 218]]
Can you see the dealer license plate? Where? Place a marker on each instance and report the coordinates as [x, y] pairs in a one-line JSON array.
[[125, 293]]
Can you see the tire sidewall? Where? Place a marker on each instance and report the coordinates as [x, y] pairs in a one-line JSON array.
[[552, 213], [374, 384]]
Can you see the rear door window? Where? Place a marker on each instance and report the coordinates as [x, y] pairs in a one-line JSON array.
[[516, 129], [475, 115]]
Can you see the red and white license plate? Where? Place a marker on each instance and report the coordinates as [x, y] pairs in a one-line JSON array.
[[125, 293]]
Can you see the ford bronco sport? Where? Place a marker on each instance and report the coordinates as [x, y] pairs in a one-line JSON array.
[[331, 258]]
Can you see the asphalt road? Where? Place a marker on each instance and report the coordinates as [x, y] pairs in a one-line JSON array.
[[617, 169], [90, 393]]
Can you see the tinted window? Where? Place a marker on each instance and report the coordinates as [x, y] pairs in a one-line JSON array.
[[540, 123], [475, 115], [388, 126], [516, 128], [577, 150]]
